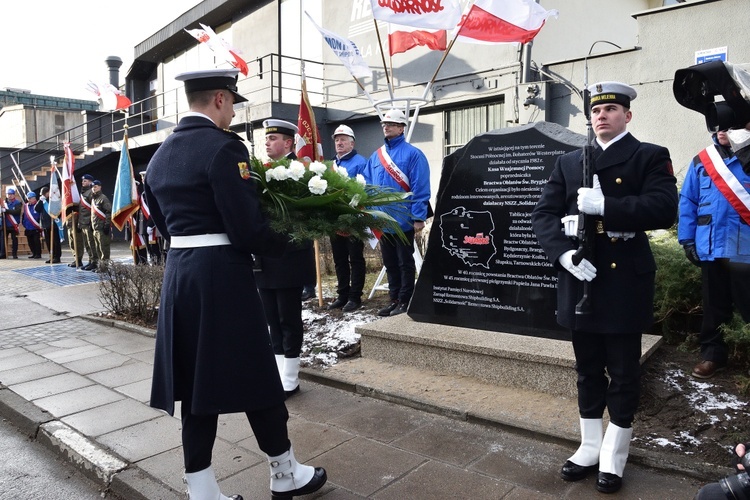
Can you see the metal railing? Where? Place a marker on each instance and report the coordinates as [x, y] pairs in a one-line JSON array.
[[277, 80]]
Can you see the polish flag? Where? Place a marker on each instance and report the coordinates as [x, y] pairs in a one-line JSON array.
[[110, 97], [402, 40], [430, 14], [503, 21], [220, 46], [70, 195]]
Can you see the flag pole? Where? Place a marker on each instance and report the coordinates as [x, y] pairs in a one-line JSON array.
[[447, 50], [315, 157], [51, 220], [382, 55]]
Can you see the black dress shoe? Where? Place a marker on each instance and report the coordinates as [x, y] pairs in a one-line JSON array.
[[608, 483], [386, 311], [336, 304], [291, 393], [307, 294], [573, 472], [400, 309], [318, 480], [236, 497], [352, 305]]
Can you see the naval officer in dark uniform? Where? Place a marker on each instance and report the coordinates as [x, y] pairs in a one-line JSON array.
[[634, 191], [212, 348], [281, 279]]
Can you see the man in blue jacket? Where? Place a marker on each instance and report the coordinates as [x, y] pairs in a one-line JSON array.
[[715, 234], [348, 252], [401, 166]]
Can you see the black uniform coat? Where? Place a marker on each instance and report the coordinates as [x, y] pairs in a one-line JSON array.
[[294, 269], [639, 194], [212, 342]]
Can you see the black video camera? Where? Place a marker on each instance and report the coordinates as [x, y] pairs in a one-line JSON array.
[[696, 88]]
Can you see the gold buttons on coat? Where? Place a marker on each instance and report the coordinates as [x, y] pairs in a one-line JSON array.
[[614, 240], [613, 265], [618, 180]]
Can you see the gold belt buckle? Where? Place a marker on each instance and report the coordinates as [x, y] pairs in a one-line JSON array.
[[599, 227]]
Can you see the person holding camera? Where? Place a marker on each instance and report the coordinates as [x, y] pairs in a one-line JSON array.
[[634, 190], [101, 223], [708, 230], [735, 487]]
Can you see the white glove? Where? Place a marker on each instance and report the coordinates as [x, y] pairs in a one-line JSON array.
[[623, 235], [591, 200], [570, 225], [585, 271], [149, 230]]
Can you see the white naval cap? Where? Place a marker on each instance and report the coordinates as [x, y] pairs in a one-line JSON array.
[[343, 130], [614, 92], [274, 126], [212, 79]]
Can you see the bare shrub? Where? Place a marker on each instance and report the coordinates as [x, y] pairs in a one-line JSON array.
[[131, 291]]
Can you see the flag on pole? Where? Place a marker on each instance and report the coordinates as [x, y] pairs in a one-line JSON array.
[[70, 194], [430, 14], [346, 51], [402, 40], [220, 46], [110, 97], [503, 21], [308, 138], [125, 200], [53, 197]]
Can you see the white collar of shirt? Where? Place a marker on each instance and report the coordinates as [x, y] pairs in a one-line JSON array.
[[612, 141], [195, 113]]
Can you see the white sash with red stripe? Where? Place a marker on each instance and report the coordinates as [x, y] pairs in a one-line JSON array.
[[30, 215], [393, 169], [11, 218], [98, 212], [727, 183], [85, 204]]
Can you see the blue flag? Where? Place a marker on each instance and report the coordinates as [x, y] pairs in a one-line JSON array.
[[125, 201]]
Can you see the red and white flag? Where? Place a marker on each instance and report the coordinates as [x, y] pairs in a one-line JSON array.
[[220, 46], [70, 194], [503, 21], [430, 14], [308, 139], [401, 40], [110, 97]]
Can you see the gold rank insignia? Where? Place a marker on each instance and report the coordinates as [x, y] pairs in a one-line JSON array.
[[244, 170]]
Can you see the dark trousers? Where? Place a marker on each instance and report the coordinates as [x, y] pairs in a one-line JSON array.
[[13, 243], [199, 434], [283, 308], [398, 259], [56, 246], [349, 261], [35, 242], [724, 285], [617, 355]]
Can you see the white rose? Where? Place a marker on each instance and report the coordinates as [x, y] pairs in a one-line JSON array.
[[342, 171], [296, 170], [317, 185], [361, 179], [318, 168], [280, 173]]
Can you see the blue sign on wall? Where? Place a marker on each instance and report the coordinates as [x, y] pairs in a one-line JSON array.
[[708, 55]]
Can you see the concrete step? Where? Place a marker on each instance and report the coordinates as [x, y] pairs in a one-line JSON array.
[[515, 361]]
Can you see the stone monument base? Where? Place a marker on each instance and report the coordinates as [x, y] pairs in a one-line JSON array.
[[531, 363]]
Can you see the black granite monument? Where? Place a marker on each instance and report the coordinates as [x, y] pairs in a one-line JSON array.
[[483, 267]]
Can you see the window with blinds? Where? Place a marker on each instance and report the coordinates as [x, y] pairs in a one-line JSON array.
[[463, 124]]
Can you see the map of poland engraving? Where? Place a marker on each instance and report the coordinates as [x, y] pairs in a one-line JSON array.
[[468, 235]]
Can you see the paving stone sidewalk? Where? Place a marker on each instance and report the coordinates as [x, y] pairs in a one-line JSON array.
[[82, 387]]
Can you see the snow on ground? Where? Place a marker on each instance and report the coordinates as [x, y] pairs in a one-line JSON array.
[[329, 335]]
